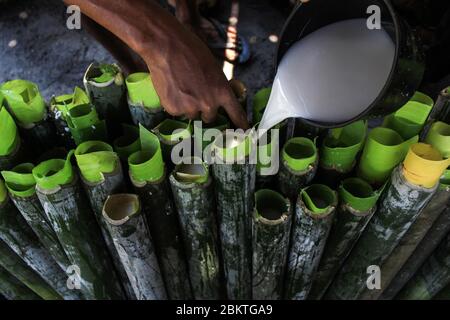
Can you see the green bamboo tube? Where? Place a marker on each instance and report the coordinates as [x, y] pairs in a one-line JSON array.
[[439, 137], [10, 144], [235, 186], [21, 186], [435, 220], [267, 151], [59, 109], [85, 125], [429, 243], [384, 150], [27, 106], [129, 231], [170, 133], [148, 175], [143, 101], [13, 289], [409, 120], [260, 100], [339, 152], [422, 224], [200, 128], [128, 143], [299, 163], [105, 86], [357, 206], [271, 230], [102, 176], [63, 200], [193, 193], [314, 216], [432, 277], [16, 233], [410, 241], [11, 262], [399, 206]]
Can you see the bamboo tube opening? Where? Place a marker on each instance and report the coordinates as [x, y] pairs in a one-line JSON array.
[[24, 168], [92, 146], [80, 111], [102, 74], [358, 188], [422, 98], [20, 179], [118, 208], [140, 157], [298, 150], [137, 77], [231, 146], [318, 198], [299, 153], [167, 128], [385, 136], [270, 204], [48, 171], [443, 130], [192, 172]]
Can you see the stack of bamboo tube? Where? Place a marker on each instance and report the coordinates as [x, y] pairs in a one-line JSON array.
[[92, 206]]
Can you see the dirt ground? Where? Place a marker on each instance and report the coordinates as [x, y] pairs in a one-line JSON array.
[[36, 45]]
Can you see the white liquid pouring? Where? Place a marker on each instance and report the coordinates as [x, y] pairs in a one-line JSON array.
[[331, 75]]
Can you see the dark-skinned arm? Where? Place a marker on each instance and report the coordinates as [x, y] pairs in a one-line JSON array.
[[185, 74]]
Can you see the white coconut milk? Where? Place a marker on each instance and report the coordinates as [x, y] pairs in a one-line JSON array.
[[331, 75]]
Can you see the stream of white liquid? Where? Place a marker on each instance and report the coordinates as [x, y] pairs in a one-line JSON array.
[[331, 75]]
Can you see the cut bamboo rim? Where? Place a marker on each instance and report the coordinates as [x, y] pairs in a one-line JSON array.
[[20, 180], [192, 170], [103, 75], [24, 100], [299, 153], [54, 173], [271, 207], [94, 159], [319, 199], [231, 146], [82, 116], [166, 131], [66, 102], [142, 91], [410, 119], [439, 138], [340, 148], [424, 165], [383, 151], [358, 194], [119, 208]]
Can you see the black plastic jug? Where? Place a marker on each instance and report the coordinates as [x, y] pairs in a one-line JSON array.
[[408, 68]]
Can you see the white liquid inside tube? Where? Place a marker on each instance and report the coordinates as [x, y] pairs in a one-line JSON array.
[[332, 75]]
